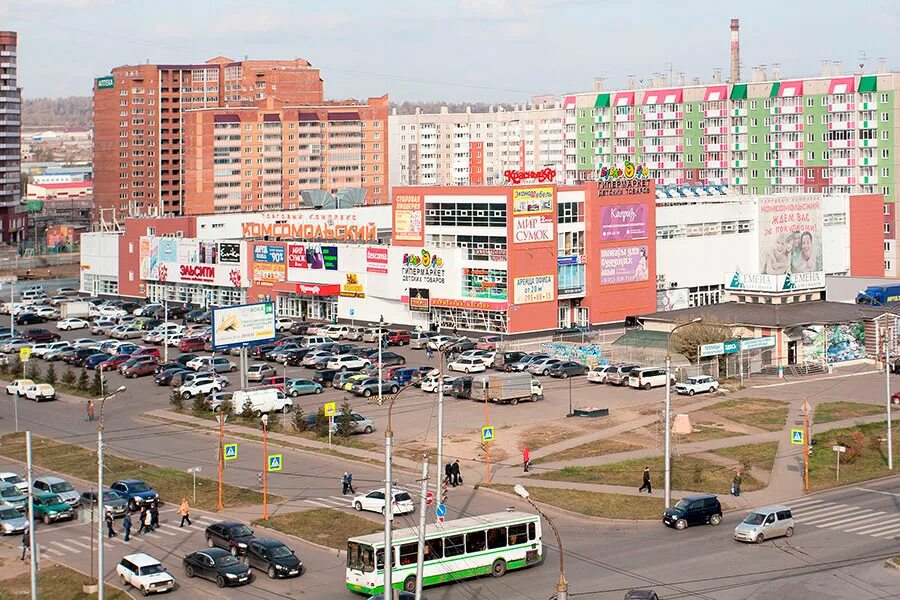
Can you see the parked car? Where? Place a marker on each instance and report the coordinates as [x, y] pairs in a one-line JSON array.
[[276, 381], [219, 364], [40, 335], [112, 502], [359, 424], [102, 326], [135, 492], [354, 333], [347, 362], [140, 369], [165, 377], [649, 377], [12, 522], [49, 508], [398, 337], [619, 375], [40, 392], [133, 360], [462, 344], [14, 345], [273, 557], [199, 386], [641, 595], [487, 342], [467, 365], [368, 387], [374, 501], [543, 366], [216, 565], [54, 350], [283, 323], [72, 323], [765, 523], [229, 535], [95, 360], [503, 361], [259, 371], [697, 384], [599, 373], [11, 495], [389, 359], [406, 375], [525, 361], [29, 318], [567, 369], [310, 360], [373, 334], [18, 386], [324, 377], [301, 387], [145, 573], [56, 485], [14, 479], [694, 510]]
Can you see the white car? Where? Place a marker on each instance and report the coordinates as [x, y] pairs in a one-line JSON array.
[[37, 350], [348, 362], [436, 342], [374, 501], [55, 349], [110, 311], [467, 365], [72, 323], [283, 323], [199, 386], [598, 374], [335, 332], [430, 384], [485, 356], [199, 362], [145, 573], [16, 480], [144, 310], [697, 385], [84, 343], [174, 340], [18, 385], [48, 312], [40, 391], [315, 356]]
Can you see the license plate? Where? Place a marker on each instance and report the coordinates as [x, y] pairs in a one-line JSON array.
[[295, 571]]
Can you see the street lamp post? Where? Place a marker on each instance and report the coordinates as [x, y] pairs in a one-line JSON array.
[[668, 415], [562, 585], [887, 383], [265, 423], [100, 505], [380, 343]]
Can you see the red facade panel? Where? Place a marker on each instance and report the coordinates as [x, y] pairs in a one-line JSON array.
[[866, 249]]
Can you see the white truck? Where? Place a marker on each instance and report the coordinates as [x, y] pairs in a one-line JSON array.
[[506, 388], [81, 310], [261, 401]]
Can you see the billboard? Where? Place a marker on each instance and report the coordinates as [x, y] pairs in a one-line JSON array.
[[243, 324], [623, 222], [419, 299], [532, 200], [760, 282], [180, 260], [269, 264], [377, 260], [623, 264], [672, 299], [409, 218], [536, 288], [352, 288], [531, 229], [790, 234], [312, 256]]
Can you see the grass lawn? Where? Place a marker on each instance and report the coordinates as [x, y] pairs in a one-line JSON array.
[[870, 464], [838, 411], [688, 473], [595, 504], [546, 435], [172, 484], [54, 583], [760, 456], [596, 448], [770, 415], [705, 431], [325, 526]]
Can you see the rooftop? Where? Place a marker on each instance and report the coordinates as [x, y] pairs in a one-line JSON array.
[[818, 312]]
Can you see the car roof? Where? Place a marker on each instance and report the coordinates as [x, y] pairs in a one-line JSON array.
[[269, 542], [129, 481], [50, 479], [141, 559], [772, 508], [700, 497], [213, 552]]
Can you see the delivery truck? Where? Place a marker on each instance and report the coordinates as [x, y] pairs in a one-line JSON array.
[[502, 388], [81, 310], [875, 295]]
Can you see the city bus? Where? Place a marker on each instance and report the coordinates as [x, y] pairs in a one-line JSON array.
[[454, 550]]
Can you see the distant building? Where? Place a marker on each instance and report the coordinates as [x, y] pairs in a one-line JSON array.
[[13, 220]]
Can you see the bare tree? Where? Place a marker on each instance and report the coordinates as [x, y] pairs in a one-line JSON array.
[[689, 338]]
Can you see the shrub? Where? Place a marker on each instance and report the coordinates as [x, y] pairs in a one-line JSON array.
[[15, 366], [321, 426], [855, 444], [199, 405], [84, 383], [226, 407], [344, 424], [50, 374], [97, 384], [32, 372], [68, 378], [247, 409], [176, 400], [298, 420]]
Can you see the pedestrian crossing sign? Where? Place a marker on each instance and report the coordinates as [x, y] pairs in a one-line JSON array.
[[487, 433], [275, 462], [797, 437], [231, 451], [330, 409]]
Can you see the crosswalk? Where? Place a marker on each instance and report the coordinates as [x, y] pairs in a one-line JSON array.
[[847, 518], [329, 501]]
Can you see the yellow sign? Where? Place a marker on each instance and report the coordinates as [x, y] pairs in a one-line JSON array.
[[352, 288], [330, 409], [275, 462], [487, 433], [24, 354], [797, 437], [532, 200], [231, 451]]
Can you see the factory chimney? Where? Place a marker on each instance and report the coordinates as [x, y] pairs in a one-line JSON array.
[[735, 51]]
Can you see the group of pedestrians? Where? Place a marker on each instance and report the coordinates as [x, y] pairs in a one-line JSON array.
[[451, 473], [347, 483]]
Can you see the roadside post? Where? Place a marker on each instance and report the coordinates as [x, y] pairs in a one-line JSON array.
[[424, 501], [487, 436], [837, 451], [268, 465], [330, 409], [193, 471]]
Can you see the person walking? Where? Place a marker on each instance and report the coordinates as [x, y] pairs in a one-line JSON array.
[[147, 521], [457, 479], [448, 473], [126, 526], [526, 459], [429, 353], [154, 515], [646, 484], [26, 542], [185, 511], [736, 484], [350, 483], [110, 532], [345, 483], [89, 411]]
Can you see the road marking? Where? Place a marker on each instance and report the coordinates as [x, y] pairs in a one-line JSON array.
[[840, 523], [879, 492], [822, 512], [206, 520], [832, 519], [322, 504], [164, 532], [805, 502], [889, 531], [64, 547], [79, 544], [47, 549], [868, 528]]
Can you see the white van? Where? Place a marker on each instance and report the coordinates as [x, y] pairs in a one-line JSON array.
[[33, 296], [262, 401], [313, 341], [649, 377]]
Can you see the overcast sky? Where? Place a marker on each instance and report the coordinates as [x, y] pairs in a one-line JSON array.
[[455, 50]]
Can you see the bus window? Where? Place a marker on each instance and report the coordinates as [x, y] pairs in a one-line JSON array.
[[531, 533], [518, 534], [434, 549], [496, 538], [453, 546], [408, 554], [380, 558], [475, 542], [359, 557]]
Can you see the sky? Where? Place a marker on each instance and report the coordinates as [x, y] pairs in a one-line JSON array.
[[452, 50]]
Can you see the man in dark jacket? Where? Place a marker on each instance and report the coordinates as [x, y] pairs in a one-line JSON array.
[[646, 484], [455, 472], [126, 526], [448, 473]]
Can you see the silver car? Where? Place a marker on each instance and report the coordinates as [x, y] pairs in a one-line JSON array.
[[112, 502], [765, 523], [12, 495], [60, 487], [259, 371], [11, 520]]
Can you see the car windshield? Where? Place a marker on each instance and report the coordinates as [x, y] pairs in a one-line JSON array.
[[139, 487], [279, 551], [10, 492], [110, 496], [152, 570], [755, 518], [241, 531], [402, 497], [9, 513], [54, 499], [59, 488], [226, 560], [682, 504], [13, 479]]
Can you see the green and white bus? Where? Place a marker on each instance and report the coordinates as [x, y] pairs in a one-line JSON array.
[[454, 550]]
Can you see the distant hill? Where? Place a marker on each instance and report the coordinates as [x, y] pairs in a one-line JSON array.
[[74, 111]]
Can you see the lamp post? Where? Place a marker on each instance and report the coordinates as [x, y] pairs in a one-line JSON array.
[[668, 415], [562, 586], [890, 333], [265, 423], [100, 578], [380, 343]]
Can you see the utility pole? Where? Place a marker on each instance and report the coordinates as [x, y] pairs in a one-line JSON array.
[[420, 560], [487, 445], [388, 592], [100, 576], [16, 407], [166, 330], [380, 339], [265, 424], [668, 416], [32, 543], [222, 418], [440, 428], [887, 385], [806, 442]]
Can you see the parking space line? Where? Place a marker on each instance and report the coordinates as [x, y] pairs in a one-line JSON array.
[[825, 514], [840, 522]]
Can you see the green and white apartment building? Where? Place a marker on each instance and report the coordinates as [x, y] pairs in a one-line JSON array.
[[838, 134]]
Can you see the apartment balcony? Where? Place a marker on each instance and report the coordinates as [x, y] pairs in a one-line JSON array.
[[666, 164], [842, 162], [664, 132], [868, 106], [868, 180], [868, 124], [623, 149], [788, 145], [601, 150], [669, 115], [786, 162], [669, 180], [715, 147], [841, 125], [624, 134], [788, 180], [624, 118], [721, 130], [715, 113], [664, 148], [571, 166], [739, 164], [738, 181], [844, 143], [842, 107], [600, 119], [793, 109], [715, 164], [602, 135], [738, 112], [873, 143], [740, 145], [868, 161], [739, 129], [569, 120], [786, 127], [848, 180]]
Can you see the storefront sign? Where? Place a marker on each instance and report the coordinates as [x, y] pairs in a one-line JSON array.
[[761, 342], [627, 264], [528, 230], [572, 259], [492, 253], [568, 291], [204, 273], [329, 257], [423, 267], [308, 289], [229, 252], [623, 222], [268, 253], [312, 256], [339, 228], [489, 284], [623, 187], [268, 264], [467, 304], [376, 260], [532, 200], [179, 260], [629, 171], [244, 324], [352, 288], [106, 82], [409, 218], [536, 288], [517, 177], [761, 282], [419, 300]]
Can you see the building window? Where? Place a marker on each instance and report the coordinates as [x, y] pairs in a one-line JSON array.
[[810, 102], [885, 153], [885, 191], [885, 135], [810, 137], [887, 227], [884, 117], [885, 172]]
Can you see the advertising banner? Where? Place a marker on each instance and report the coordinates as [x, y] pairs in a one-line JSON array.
[[671, 299], [468, 304], [352, 288], [178, 260], [209, 253], [269, 265], [790, 234], [536, 288], [623, 222], [312, 256], [377, 260], [168, 250], [409, 218], [626, 264], [533, 229], [759, 282], [489, 284], [423, 266], [532, 200], [244, 324], [419, 299], [229, 252], [845, 342]]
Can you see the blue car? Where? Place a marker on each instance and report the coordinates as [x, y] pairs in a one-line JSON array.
[[301, 387], [135, 491], [95, 359], [406, 376], [127, 348]]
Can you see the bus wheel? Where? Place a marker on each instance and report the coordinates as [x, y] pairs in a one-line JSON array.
[[409, 584], [498, 569]]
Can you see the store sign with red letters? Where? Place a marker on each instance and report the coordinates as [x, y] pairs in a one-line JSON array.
[[533, 229]]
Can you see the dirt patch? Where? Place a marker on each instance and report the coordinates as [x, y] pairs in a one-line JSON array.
[[770, 415], [705, 431]]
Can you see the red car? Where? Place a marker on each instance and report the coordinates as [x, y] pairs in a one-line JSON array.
[[276, 382], [154, 352], [397, 338], [488, 342], [140, 369], [191, 344], [113, 363]]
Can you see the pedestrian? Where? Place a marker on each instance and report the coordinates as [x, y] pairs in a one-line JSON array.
[[448, 473], [185, 511], [526, 458], [26, 542], [147, 521], [126, 526], [646, 482], [350, 483], [736, 484], [345, 483], [89, 411], [154, 515], [140, 520], [110, 532], [457, 478], [428, 352]]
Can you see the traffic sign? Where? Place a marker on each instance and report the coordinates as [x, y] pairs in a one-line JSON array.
[[839, 448], [24, 354], [275, 462], [440, 519], [797, 437], [330, 409], [231, 451], [487, 433], [441, 511], [429, 498]]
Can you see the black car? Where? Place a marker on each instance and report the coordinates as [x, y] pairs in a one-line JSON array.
[[273, 557], [503, 360], [129, 307], [185, 358], [299, 328], [77, 357], [389, 359], [165, 377], [295, 357], [93, 360], [568, 369], [230, 535], [324, 376], [461, 345], [694, 510], [216, 565], [177, 312], [164, 366], [29, 319], [342, 348], [150, 324], [195, 316]]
